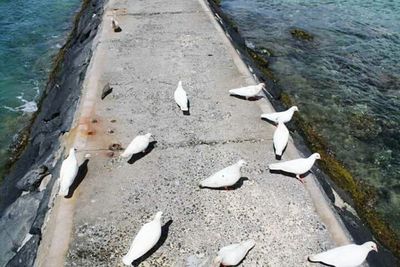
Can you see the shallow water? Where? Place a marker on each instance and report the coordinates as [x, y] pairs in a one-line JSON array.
[[32, 32], [346, 81]]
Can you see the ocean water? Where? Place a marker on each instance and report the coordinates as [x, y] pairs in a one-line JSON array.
[[346, 82], [32, 32]]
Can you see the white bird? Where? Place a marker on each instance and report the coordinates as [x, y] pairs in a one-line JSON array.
[[281, 137], [283, 116], [296, 166], [233, 254], [68, 172], [115, 25], [181, 98], [345, 256], [248, 91], [225, 177], [138, 144], [145, 239]]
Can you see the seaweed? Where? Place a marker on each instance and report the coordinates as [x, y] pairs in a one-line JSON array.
[[363, 195]]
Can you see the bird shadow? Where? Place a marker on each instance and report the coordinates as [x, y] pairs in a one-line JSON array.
[[187, 112], [161, 241], [253, 98], [270, 122], [82, 171], [320, 262], [137, 156], [238, 185], [289, 173]]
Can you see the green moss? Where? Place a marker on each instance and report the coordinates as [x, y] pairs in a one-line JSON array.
[[217, 2], [262, 63], [301, 34], [364, 196]]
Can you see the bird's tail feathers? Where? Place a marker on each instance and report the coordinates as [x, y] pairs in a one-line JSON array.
[[126, 260], [275, 166], [63, 192], [314, 258]]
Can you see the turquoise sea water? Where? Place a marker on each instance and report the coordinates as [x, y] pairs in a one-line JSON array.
[[32, 32], [346, 81]]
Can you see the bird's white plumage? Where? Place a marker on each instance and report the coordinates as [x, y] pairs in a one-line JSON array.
[[68, 172], [281, 137], [283, 116], [233, 254], [181, 97], [248, 91], [137, 145], [345, 256], [225, 177], [145, 239], [114, 23], [296, 166]]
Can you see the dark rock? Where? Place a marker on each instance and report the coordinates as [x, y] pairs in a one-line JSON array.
[[364, 126], [27, 254], [32, 179], [301, 34], [107, 89], [16, 223]]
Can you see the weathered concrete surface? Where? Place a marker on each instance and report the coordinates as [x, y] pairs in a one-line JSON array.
[[161, 43]]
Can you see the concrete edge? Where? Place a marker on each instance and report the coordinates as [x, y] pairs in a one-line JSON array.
[[59, 226], [322, 204]]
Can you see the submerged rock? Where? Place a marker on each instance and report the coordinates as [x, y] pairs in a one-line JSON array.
[[301, 34], [364, 126], [16, 223]]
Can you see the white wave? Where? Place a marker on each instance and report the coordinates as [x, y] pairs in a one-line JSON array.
[[26, 107]]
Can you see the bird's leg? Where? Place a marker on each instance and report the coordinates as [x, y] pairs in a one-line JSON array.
[[301, 179]]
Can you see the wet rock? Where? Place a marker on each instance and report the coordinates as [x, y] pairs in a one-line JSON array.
[[16, 223], [301, 34], [32, 179], [364, 126], [27, 254]]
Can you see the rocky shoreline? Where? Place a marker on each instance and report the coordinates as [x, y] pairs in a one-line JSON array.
[[259, 65], [26, 191]]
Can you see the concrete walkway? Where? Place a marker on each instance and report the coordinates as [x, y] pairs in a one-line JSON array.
[[161, 43]]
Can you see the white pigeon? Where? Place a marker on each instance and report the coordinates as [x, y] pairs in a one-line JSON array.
[[248, 91], [181, 98], [138, 144], [281, 137], [283, 116], [296, 166], [225, 177], [115, 25], [233, 254], [68, 172], [145, 239], [345, 256]]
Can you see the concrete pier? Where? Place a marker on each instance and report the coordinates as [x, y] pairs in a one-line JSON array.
[[162, 42]]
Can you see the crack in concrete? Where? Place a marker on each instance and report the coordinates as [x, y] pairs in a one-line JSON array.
[[192, 143], [142, 14]]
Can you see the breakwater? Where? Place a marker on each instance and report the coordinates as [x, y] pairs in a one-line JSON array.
[[265, 54], [26, 190]]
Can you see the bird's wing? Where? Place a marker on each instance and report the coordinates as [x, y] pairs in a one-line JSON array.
[[145, 239], [344, 256], [181, 98], [296, 166]]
